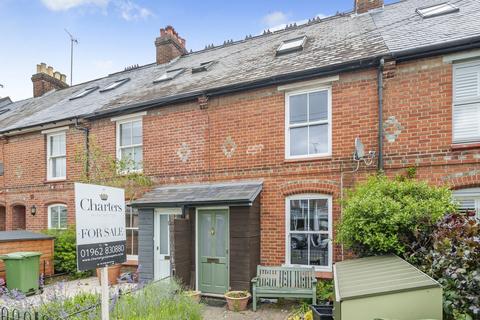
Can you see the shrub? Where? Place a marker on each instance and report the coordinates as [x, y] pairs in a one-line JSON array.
[[160, 300], [451, 256], [385, 215], [65, 255], [325, 290], [82, 306]]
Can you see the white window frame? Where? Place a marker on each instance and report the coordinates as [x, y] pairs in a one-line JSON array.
[[459, 103], [130, 256], [288, 94], [50, 176], [49, 213], [119, 122], [472, 194], [309, 196]]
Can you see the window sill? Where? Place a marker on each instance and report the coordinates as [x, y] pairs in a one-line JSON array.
[[465, 146], [55, 180], [304, 159], [318, 270]]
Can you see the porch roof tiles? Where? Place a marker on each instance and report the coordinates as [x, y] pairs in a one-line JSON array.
[[222, 193]]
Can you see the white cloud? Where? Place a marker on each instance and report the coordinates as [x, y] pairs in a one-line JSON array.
[[132, 11], [127, 9], [61, 5], [274, 19]]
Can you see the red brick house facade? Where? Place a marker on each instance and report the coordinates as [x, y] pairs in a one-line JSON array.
[[245, 135]]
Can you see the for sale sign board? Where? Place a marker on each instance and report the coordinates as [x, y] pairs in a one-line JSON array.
[[100, 221]]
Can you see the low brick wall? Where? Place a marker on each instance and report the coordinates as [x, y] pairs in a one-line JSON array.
[[45, 246]]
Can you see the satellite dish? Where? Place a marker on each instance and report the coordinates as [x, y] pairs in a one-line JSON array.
[[359, 153]]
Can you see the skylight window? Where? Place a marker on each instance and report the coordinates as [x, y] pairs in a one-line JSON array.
[[291, 45], [83, 93], [115, 84], [2, 111], [204, 66], [437, 10], [169, 75]]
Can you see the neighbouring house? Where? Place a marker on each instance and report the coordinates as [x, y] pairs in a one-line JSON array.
[[251, 143]]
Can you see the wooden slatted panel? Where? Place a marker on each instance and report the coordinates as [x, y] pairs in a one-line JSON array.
[[285, 277]]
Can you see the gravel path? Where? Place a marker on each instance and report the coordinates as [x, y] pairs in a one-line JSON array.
[[264, 312]]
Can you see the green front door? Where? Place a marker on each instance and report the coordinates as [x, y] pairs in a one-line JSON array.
[[213, 234]]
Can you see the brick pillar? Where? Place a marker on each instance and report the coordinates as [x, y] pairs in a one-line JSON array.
[[169, 45], [362, 6]]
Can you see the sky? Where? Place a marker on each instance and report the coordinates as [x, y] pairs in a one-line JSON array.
[[114, 34]]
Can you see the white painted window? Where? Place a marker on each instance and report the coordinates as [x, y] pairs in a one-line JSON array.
[[56, 156], [308, 123], [131, 224], [130, 143], [468, 200], [57, 216], [466, 102], [291, 45], [309, 231]]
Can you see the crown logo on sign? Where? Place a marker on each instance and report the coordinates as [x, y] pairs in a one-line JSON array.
[[103, 196]]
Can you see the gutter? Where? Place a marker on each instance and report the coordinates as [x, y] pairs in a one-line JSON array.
[[436, 49]]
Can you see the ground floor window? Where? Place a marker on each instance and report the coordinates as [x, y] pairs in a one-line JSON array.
[[57, 216], [131, 224], [309, 230], [468, 200]]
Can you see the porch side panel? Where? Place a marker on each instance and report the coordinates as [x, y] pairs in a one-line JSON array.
[[145, 244], [254, 223], [182, 250], [240, 240]]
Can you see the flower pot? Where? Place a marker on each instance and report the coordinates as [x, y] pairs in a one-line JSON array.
[[194, 294], [113, 274], [237, 300]]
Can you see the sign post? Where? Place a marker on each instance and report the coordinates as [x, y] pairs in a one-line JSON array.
[[101, 234]]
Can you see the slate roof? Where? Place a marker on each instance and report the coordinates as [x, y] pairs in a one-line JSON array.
[[239, 193], [21, 235], [331, 42]]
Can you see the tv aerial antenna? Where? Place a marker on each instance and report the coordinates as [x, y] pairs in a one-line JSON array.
[[73, 40]]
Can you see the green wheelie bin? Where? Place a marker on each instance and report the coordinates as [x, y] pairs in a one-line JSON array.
[[22, 271]]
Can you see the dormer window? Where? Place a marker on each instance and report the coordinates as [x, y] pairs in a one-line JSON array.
[[204, 66], [169, 75], [436, 10], [83, 93], [291, 45], [115, 84]]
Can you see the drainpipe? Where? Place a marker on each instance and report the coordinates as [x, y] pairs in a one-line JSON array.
[[86, 131], [380, 113]]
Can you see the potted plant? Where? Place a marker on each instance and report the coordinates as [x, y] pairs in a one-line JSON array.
[[194, 294], [113, 274], [237, 300]]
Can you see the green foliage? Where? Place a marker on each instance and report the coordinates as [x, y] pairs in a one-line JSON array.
[[60, 308], [451, 255], [161, 300], [385, 215], [65, 255], [102, 168], [325, 290]]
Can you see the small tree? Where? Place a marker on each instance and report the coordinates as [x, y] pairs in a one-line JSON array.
[[385, 215], [99, 167]]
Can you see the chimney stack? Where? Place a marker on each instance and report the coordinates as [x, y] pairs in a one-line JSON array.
[[169, 45], [362, 6], [47, 79]]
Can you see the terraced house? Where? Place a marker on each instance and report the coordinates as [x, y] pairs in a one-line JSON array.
[[251, 143]]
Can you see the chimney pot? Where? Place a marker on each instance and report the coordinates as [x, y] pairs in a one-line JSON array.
[[169, 45], [47, 79], [362, 6]]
